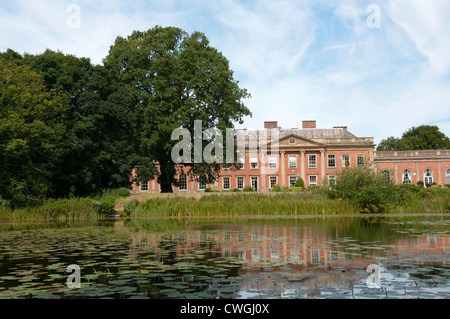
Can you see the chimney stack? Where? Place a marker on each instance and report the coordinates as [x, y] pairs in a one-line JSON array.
[[270, 125], [309, 124]]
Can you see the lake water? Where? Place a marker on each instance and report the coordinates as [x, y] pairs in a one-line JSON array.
[[307, 257]]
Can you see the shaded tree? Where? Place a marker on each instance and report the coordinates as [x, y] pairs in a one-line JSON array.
[[31, 134], [174, 79]]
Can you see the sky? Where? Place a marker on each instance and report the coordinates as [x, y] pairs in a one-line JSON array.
[[378, 67]]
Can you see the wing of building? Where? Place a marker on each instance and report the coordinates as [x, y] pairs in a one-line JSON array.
[[276, 156]]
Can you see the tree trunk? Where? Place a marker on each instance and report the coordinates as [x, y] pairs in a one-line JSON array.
[[166, 177]]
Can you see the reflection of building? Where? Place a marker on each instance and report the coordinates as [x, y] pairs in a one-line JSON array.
[[281, 156], [285, 259], [258, 246]]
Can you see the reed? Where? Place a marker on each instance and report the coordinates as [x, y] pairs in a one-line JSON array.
[[243, 205]]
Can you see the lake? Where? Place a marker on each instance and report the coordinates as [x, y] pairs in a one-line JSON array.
[[298, 257]]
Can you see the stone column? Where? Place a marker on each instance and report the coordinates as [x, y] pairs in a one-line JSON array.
[[302, 166], [372, 160], [439, 173], [283, 170], [396, 173], [262, 169], [418, 175], [322, 166]]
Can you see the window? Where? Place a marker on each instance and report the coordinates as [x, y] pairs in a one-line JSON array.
[[143, 186], [331, 180], [292, 180], [254, 162], [273, 181], [292, 141], [273, 162], [447, 176], [428, 177], [202, 182], [313, 180], [315, 256], [386, 175], [292, 161], [182, 183], [345, 160], [312, 161], [332, 161], [240, 182], [226, 183], [406, 177], [361, 160]]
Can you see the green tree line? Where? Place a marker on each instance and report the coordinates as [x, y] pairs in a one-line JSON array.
[[72, 128]]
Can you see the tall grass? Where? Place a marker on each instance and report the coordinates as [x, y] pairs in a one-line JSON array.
[[61, 209], [283, 204]]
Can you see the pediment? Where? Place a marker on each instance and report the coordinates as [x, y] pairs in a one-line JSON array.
[[296, 141]]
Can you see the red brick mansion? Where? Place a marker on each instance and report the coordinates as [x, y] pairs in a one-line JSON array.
[[315, 155]]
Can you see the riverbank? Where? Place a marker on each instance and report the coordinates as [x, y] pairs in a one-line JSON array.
[[288, 203], [270, 204]]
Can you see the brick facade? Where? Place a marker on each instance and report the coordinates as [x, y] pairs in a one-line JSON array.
[[315, 155]]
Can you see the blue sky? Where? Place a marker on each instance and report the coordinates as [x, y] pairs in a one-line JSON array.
[[300, 59]]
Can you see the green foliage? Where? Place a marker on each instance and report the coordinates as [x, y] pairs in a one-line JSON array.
[[282, 204], [130, 206], [363, 186], [300, 183], [31, 134], [248, 189], [278, 189], [236, 190], [425, 137], [117, 193], [174, 79]]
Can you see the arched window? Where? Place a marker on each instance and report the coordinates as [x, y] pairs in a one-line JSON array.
[[386, 175], [407, 176], [428, 177]]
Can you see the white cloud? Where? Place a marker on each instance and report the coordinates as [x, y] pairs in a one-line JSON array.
[[299, 59]]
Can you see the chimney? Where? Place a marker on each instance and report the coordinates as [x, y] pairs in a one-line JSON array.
[[309, 124], [270, 125]]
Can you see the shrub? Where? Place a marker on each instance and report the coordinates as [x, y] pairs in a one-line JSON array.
[[130, 206], [117, 193], [363, 186], [236, 190], [311, 188], [276, 188], [300, 183], [248, 189], [105, 205]]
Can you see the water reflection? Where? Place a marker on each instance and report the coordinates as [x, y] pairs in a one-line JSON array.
[[244, 258]]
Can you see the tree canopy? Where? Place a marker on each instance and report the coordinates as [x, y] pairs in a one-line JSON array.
[[425, 137], [71, 128], [175, 79]]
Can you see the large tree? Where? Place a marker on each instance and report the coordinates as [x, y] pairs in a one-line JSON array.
[[31, 133], [99, 140], [175, 79], [425, 137]]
